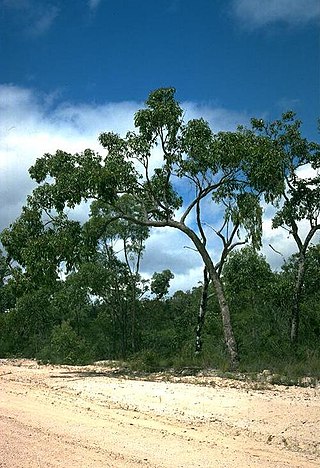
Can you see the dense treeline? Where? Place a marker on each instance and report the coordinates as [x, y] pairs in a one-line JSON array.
[[66, 324], [66, 296]]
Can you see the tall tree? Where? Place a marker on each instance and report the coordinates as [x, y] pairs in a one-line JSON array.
[[132, 239], [160, 283], [216, 167], [237, 213], [7, 298], [299, 200], [252, 287], [309, 325], [42, 244]]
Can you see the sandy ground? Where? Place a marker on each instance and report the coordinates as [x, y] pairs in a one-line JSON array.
[[61, 416]]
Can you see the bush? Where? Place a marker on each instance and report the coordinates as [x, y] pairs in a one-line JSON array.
[[145, 361], [66, 347]]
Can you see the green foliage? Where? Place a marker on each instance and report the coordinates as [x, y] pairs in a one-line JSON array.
[[160, 283], [162, 117], [251, 286], [146, 361], [72, 178], [310, 295], [300, 195], [65, 347], [246, 270], [7, 297], [198, 144], [41, 246], [27, 326]]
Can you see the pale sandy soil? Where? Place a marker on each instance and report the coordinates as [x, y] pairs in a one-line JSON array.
[[86, 417]]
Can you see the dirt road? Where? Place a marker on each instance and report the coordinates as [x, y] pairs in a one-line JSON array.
[[86, 417]]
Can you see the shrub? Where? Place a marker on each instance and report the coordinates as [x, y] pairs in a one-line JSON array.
[[66, 347]]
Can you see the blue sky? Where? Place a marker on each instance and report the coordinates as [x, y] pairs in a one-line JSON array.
[[241, 55], [70, 69]]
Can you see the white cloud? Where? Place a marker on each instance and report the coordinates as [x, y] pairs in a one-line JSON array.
[[219, 118], [164, 247], [186, 281], [306, 172], [258, 13]]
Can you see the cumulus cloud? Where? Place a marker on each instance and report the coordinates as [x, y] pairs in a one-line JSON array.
[[258, 13]]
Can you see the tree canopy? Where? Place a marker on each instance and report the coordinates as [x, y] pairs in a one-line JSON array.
[[299, 199]]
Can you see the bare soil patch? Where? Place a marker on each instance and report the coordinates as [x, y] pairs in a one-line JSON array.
[[95, 416]]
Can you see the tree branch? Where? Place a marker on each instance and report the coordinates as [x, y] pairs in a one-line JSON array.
[[202, 194]]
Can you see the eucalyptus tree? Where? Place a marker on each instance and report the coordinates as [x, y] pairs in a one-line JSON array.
[[252, 289], [42, 244], [309, 325], [4, 276], [126, 239], [299, 199], [213, 167], [237, 213], [105, 280], [38, 246], [160, 283]]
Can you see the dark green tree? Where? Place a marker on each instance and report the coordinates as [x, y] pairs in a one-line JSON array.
[[299, 199], [160, 283], [6, 298], [107, 235], [43, 245], [310, 295], [253, 293]]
